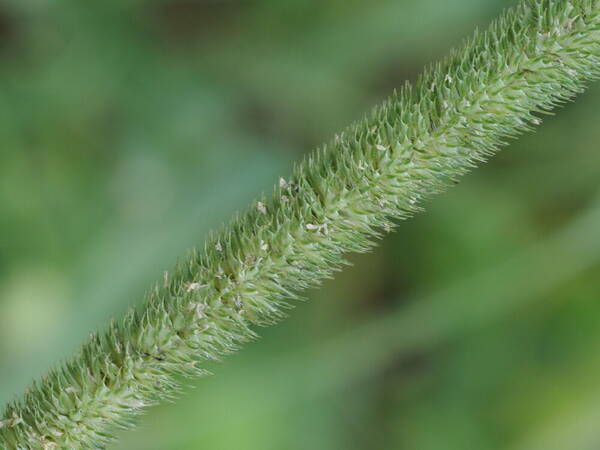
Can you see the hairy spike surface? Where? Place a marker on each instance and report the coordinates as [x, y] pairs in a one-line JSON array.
[[339, 199]]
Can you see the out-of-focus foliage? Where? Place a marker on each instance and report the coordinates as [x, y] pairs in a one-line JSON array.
[[130, 128]]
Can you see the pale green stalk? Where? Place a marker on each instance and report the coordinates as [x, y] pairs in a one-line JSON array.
[[338, 200]]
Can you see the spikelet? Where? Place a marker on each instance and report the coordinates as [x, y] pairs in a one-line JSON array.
[[338, 200]]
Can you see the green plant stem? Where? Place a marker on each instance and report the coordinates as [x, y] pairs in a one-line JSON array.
[[338, 200]]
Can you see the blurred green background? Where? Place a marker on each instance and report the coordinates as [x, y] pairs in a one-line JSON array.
[[129, 128]]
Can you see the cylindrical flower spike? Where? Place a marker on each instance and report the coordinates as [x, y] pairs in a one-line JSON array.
[[338, 200]]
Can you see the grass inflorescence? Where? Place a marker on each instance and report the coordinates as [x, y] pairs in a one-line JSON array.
[[338, 200]]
